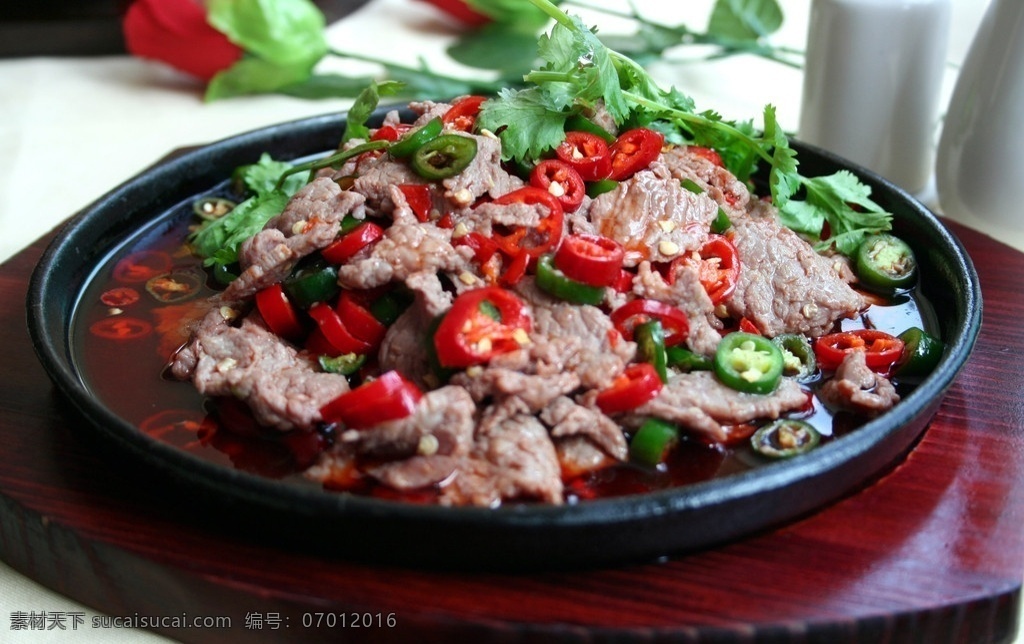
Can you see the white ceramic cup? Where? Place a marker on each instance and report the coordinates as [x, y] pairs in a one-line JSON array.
[[872, 80], [980, 166]]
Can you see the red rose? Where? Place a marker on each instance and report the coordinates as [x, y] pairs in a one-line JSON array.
[[176, 32], [461, 11]]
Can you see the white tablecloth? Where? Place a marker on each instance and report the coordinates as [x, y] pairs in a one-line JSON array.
[[73, 128]]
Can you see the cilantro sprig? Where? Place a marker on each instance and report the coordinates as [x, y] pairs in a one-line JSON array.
[[579, 73]]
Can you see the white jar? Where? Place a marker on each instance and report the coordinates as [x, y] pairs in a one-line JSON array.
[[872, 80], [980, 165]]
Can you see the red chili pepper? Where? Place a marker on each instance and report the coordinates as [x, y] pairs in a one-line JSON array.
[[561, 180], [357, 239], [592, 259], [674, 322], [587, 153], [633, 151], [359, 321], [121, 328], [516, 269], [463, 112], [120, 296], [746, 326], [545, 236], [335, 332], [638, 384], [417, 195], [624, 281], [481, 324], [706, 153], [389, 397], [718, 269], [390, 132], [882, 349], [484, 248], [177, 32], [142, 266], [277, 311]]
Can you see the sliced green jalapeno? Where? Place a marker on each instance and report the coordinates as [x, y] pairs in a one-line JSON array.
[[785, 438], [679, 357], [444, 156], [210, 208], [308, 285], [413, 140], [601, 186], [921, 353], [553, 281], [346, 364], [652, 442], [721, 223], [580, 123], [798, 359], [748, 363], [650, 341], [886, 262]]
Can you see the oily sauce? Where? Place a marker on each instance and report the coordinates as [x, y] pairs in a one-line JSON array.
[[124, 335]]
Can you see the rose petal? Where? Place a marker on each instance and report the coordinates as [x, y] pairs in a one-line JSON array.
[[176, 32]]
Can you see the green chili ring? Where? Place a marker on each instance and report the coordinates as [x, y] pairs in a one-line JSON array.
[[307, 286], [652, 441], [885, 262], [444, 156], [681, 358], [921, 353], [554, 282], [798, 359], [650, 341], [748, 363], [211, 208], [785, 438], [407, 145]]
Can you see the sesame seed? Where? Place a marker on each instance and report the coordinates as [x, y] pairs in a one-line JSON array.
[[666, 247]]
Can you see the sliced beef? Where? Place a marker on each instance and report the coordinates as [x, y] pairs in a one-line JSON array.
[[442, 423], [484, 176], [784, 286], [513, 458], [652, 216], [688, 295], [408, 247], [309, 222], [698, 401], [569, 419], [856, 387], [577, 455], [719, 184], [283, 388]]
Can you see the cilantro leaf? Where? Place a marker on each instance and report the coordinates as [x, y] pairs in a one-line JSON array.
[[218, 240], [525, 122], [845, 203]]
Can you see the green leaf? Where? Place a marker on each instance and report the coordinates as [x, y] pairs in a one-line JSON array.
[[261, 177], [219, 240], [284, 32], [784, 178], [525, 121], [496, 46], [255, 76], [845, 203], [321, 86], [584, 61], [365, 104], [744, 20], [523, 15]]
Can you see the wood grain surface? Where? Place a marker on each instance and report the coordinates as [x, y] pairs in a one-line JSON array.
[[933, 551]]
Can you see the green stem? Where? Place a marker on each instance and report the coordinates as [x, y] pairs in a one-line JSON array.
[[557, 14], [335, 159], [697, 119], [482, 85]]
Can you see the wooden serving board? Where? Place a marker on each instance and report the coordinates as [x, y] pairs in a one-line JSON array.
[[933, 551]]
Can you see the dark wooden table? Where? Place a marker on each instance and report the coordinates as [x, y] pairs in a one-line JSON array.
[[931, 552]]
